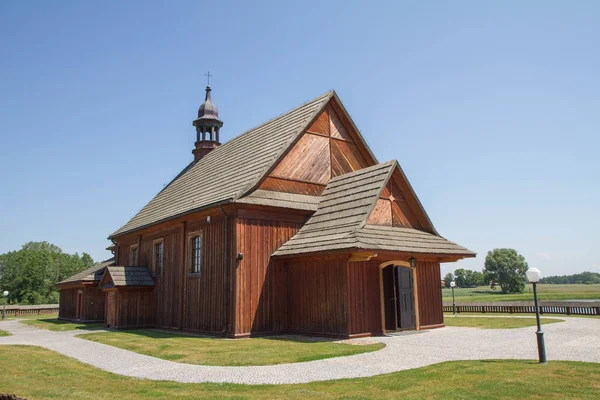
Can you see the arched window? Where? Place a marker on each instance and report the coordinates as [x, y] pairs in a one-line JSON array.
[[196, 254]]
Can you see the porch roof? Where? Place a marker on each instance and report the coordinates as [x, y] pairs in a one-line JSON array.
[[91, 274], [341, 221], [119, 276]]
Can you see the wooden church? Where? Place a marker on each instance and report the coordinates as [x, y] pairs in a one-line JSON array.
[[290, 227]]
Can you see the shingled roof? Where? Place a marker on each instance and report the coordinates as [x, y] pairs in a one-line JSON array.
[[340, 222], [229, 171], [127, 276], [91, 274]]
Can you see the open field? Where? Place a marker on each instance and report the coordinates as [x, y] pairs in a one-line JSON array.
[[193, 349], [494, 323], [53, 324], [545, 292], [39, 374]]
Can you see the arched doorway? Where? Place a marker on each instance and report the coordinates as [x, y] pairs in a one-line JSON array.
[[398, 298]]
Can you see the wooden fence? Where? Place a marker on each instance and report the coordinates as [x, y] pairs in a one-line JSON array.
[[31, 310], [554, 307]]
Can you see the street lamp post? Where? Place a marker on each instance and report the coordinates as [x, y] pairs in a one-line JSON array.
[[453, 285], [4, 294], [534, 275]]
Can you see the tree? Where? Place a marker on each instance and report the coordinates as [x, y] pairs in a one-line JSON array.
[[506, 268], [30, 274], [448, 278]]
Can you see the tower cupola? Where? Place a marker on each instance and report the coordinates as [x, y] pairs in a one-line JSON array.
[[207, 126]]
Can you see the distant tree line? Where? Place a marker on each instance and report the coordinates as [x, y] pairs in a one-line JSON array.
[[503, 267], [30, 274], [584, 277]]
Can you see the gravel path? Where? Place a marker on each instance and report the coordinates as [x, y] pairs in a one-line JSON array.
[[576, 339]]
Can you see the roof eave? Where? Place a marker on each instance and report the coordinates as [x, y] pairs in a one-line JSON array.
[[195, 210]]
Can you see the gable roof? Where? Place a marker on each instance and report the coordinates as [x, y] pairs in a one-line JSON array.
[[230, 170], [127, 276], [340, 222], [91, 274]]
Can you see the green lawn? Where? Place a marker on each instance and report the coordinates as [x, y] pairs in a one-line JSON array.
[[4, 333], [54, 324], [545, 292], [494, 323], [31, 316], [193, 349], [39, 374]]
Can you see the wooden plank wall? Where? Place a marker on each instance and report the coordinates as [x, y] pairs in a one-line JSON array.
[[168, 293], [430, 293], [134, 309], [205, 294], [364, 297], [318, 297], [258, 277], [181, 300], [67, 303], [93, 303]]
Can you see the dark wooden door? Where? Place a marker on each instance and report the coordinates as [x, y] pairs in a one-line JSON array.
[[406, 303], [389, 299]]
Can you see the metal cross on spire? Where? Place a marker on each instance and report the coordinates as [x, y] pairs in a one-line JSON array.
[[208, 75]]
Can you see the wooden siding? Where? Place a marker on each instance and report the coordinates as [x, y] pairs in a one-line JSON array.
[[291, 186], [205, 293], [429, 292], [259, 290], [307, 161], [67, 303], [182, 300], [364, 297], [133, 309], [93, 303], [318, 297]]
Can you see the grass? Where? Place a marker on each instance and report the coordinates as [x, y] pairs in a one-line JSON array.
[[494, 323], [4, 333], [193, 349], [545, 292], [39, 374], [31, 316], [54, 324]]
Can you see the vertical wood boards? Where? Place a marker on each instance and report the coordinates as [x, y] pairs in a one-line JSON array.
[[93, 303], [133, 308], [429, 293], [180, 300], [318, 297], [205, 293], [259, 279], [67, 303], [364, 297]]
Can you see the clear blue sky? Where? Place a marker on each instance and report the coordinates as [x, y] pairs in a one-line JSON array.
[[492, 109]]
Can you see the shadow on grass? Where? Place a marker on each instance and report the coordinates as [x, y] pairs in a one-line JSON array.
[[166, 334], [54, 322]]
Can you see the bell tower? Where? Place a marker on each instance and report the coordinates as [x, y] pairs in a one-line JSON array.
[[207, 126]]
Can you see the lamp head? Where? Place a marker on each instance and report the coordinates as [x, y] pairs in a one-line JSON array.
[[533, 275], [452, 284], [413, 262], [5, 293]]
